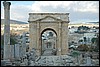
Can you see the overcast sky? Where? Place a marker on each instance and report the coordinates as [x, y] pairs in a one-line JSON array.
[[80, 11]]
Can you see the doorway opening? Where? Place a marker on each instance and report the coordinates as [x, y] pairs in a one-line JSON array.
[[48, 42]]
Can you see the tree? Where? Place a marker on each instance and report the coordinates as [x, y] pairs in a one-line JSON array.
[[82, 29], [96, 42], [80, 41], [76, 54], [85, 40], [93, 40], [83, 47]]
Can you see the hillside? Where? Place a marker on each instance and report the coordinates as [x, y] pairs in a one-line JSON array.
[[14, 22]]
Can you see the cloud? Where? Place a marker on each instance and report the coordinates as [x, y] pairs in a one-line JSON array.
[[83, 16], [87, 6], [81, 6], [79, 10], [49, 6], [18, 12]]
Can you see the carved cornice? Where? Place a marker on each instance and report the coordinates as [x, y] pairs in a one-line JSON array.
[[48, 17]]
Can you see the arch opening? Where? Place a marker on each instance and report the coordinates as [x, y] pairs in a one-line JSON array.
[[48, 42]]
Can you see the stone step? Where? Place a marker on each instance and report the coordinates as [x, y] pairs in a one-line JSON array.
[[6, 63], [47, 52]]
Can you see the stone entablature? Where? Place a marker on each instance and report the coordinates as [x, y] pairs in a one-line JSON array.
[[49, 17]]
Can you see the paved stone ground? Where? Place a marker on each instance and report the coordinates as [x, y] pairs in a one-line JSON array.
[[48, 61], [52, 61]]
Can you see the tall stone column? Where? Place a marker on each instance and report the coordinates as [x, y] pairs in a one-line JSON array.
[[6, 29]]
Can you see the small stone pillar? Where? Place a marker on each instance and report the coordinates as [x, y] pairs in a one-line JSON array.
[[24, 44]]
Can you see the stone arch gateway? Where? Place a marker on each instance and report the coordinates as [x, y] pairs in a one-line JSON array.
[[38, 22]]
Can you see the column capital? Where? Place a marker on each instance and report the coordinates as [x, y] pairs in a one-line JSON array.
[[6, 5]]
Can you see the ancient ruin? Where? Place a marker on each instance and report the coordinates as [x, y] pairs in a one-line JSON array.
[[55, 22]]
